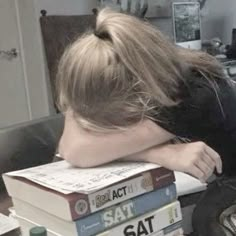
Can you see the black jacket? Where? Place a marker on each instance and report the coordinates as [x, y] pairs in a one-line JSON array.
[[207, 112]]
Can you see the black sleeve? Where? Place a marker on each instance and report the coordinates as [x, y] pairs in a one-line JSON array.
[[228, 101], [199, 112], [207, 114]]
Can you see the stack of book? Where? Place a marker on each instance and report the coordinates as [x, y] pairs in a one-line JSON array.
[[121, 198]]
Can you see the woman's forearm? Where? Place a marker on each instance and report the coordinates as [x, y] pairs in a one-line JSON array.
[[196, 159], [155, 154], [86, 149]]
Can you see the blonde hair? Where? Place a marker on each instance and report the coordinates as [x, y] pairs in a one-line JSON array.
[[125, 71]]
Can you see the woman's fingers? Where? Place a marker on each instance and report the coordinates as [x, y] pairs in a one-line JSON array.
[[198, 173], [215, 157], [209, 161], [205, 165]]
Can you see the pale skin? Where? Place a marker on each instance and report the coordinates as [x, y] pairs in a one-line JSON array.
[[145, 141]]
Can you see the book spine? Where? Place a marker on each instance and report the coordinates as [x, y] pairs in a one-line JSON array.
[[120, 192], [177, 232], [173, 230], [120, 213], [149, 223]]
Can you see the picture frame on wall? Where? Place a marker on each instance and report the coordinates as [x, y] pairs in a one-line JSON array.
[[187, 24]]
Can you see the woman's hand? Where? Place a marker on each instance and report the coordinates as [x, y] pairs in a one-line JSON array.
[[196, 159]]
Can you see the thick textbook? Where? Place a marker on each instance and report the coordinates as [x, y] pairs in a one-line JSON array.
[[26, 225], [73, 205]]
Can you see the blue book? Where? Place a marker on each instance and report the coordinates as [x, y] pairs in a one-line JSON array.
[[101, 220]]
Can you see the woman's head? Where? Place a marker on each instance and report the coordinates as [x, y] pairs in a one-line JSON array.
[[120, 73]]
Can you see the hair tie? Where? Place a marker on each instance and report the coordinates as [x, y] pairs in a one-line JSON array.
[[102, 35], [96, 34]]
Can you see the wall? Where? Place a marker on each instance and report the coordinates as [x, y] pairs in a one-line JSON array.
[[219, 17], [65, 7], [36, 83]]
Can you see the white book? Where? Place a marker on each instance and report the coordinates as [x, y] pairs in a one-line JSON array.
[[171, 230], [187, 184]]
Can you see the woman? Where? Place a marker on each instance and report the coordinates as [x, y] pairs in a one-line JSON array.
[[126, 91]]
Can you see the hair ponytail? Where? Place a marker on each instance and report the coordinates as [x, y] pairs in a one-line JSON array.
[[124, 71]]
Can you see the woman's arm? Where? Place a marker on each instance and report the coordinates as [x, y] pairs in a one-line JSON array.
[[86, 149], [196, 159], [144, 142]]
